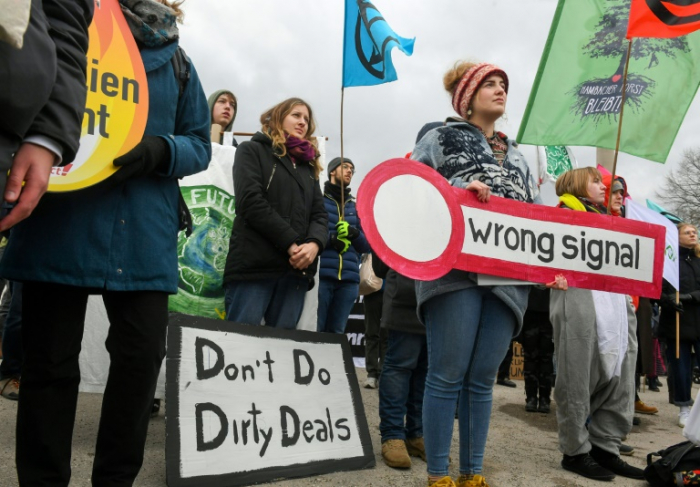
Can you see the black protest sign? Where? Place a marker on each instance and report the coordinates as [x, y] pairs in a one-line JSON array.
[[355, 329], [250, 404]]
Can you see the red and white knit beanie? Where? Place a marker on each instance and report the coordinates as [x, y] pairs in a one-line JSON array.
[[470, 83]]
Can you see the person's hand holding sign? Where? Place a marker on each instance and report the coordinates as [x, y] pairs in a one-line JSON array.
[[483, 192], [559, 283]]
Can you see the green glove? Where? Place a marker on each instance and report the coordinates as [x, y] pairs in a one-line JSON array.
[[346, 231], [341, 245]]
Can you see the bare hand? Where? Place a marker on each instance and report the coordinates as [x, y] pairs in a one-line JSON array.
[[304, 255], [483, 192], [32, 166], [292, 249], [558, 283]]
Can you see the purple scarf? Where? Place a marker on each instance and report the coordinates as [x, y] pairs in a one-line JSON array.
[[300, 148]]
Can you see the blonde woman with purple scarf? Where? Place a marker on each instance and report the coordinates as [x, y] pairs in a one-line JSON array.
[[469, 327], [281, 222]]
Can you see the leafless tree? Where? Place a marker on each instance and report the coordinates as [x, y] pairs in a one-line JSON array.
[[681, 189]]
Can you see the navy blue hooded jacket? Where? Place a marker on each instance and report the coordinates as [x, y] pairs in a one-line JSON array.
[[344, 267]]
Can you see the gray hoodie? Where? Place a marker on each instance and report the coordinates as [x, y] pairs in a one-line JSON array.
[[212, 100]]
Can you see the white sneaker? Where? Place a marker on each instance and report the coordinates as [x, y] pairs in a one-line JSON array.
[[683, 416], [371, 383]]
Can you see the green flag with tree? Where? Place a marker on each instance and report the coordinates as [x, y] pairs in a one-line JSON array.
[[577, 94]]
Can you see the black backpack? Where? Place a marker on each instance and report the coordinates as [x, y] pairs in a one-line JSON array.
[[675, 459]]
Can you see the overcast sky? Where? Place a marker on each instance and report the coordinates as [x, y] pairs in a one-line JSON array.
[[268, 50]]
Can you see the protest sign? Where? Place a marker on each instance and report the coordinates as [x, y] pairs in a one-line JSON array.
[[249, 404], [116, 108], [355, 331], [422, 227]]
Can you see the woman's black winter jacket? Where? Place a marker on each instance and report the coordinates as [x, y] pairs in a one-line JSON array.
[[689, 270], [277, 204]]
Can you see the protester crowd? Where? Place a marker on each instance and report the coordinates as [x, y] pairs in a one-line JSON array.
[[435, 348]]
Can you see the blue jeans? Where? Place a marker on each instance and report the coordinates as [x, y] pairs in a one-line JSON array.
[[280, 301], [468, 332], [335, 300], [12, 350], [402, 385], [682, 371]]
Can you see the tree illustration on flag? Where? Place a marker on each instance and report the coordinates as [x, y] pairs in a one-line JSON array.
[[577, 94], [608, 41], [367, 45]]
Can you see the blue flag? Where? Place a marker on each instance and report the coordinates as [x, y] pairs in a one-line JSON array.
[[367, 46]]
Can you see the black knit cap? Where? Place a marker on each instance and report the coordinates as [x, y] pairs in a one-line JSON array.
[[336, 162]]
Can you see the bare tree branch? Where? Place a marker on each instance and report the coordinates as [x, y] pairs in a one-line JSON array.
[[681, 188]]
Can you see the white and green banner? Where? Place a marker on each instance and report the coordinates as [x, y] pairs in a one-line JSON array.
[[553, 161], [202, 255]]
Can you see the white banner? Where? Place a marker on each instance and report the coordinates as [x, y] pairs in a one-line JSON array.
[[635, 211]]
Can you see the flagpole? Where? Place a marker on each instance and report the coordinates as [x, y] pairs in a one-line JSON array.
[[614, 169], [678, 325], [619, 125], [342, 160]]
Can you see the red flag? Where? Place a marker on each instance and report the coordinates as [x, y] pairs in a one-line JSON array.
[[663, 18]]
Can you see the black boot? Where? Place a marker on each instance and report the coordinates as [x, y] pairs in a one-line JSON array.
[[531, 395], [586, 466], [616, 464], [531, 404], [544, 400]]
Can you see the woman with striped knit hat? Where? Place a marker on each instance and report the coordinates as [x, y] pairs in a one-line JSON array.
[[469, 327]]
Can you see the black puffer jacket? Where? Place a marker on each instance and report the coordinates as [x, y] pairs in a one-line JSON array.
[[400, 304], [277, 204], [689, 268]]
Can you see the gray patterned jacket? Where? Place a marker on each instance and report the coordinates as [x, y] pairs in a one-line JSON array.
[[461, 154]]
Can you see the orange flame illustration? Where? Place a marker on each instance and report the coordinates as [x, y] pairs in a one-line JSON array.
[[116, 109]]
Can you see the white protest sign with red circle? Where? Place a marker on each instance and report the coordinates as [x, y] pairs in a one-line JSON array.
[[422, 227]]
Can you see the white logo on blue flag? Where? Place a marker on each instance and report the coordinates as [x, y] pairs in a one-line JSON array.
[[367, 45]]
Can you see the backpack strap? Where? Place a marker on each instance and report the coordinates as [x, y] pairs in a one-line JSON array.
[[671, 456], [181, 66]]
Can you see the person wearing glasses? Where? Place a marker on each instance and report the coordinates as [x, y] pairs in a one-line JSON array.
[[681, 368]]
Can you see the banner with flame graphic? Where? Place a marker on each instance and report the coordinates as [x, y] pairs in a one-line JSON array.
[[116, 108]]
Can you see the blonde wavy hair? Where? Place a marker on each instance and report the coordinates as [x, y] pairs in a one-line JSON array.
[[455, 75], [272, 121], [175, 5]]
